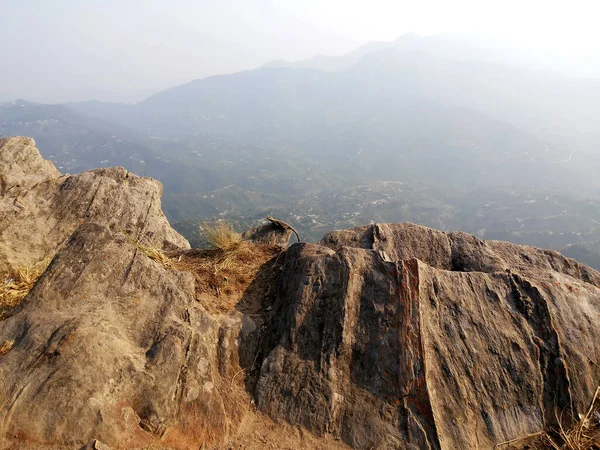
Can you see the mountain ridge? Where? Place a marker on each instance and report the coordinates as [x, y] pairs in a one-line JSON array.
[[285, 141], [458, 46]]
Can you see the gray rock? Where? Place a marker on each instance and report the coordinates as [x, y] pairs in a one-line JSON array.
[[22, 166], [392, 353], [455, 251], [112, 345], [39, 208]]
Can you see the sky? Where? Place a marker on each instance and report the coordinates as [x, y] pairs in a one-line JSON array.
[[125, 50]]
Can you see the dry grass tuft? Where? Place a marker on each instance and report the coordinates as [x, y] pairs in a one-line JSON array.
[[222, 273], [227, 273], [153, 253], [150, 250], [583, 435], [6, 347], [17, 283], [221, 235]]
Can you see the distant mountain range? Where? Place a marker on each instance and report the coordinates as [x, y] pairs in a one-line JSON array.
[[477, 136], [463, 47]]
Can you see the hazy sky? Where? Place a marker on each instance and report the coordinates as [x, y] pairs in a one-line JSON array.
[[124, 50]]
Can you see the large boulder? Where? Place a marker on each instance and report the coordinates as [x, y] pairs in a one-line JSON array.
[[444, 354], [40, 208], [111, 345]]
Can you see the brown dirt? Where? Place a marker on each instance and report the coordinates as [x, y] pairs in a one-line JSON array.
[[238, 278], [259, 432]]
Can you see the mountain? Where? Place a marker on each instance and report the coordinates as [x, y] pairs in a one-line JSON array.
[[115, 334], [382, 110], [401, 133], [552, 107], [463, 47], [339, 63]]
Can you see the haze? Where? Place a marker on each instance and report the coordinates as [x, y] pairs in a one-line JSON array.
[[124, 51]]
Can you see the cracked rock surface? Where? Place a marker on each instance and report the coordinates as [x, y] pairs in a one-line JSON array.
[[401, 335]]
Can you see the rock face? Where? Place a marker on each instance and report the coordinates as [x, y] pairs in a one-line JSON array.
[[455, 251], [384, 336], [40, 208], [21, 165], [401, 335], [111, 345]]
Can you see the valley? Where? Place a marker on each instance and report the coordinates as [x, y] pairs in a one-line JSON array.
[[383, 137]]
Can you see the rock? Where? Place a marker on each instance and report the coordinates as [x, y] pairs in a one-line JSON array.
[[268, 234], [22, 166], [95, 444], [111, 345], [393, 352], [238, 344], [525, 258], [397, 242], [39, 208], [455, 251]]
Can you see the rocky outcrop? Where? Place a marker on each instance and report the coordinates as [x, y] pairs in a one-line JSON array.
[[384, 336], [455, 251], [111, 345], [21, 166], [270, 234], [40, 208], [383, 349]]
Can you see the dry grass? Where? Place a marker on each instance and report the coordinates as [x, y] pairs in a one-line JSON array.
[[149, 249], [153, 252], [583, 435], [221, 235], [222, 273], [17, 283], [6, 347], [227, 274]]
